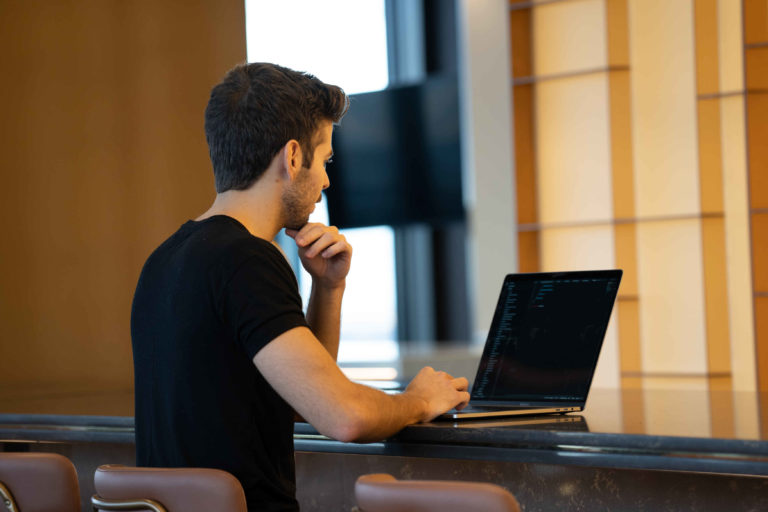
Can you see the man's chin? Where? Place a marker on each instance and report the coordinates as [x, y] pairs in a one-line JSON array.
[[297, 225]]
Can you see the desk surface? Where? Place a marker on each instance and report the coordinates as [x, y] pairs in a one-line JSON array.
[[715, 431]]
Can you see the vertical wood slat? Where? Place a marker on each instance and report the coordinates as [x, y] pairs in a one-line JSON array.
[[755, 21], [622, 174], [757, 135], [711, 190], [761, 335], [755, 61], [525, 170]]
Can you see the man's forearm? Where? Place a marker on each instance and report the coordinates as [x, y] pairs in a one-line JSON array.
[[385, 415], [324, 315]]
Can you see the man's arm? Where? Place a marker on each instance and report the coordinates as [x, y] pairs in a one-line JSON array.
[[327, 256], [324, 316], [299, 368]]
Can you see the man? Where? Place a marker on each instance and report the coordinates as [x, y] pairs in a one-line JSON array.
[[223, 355]]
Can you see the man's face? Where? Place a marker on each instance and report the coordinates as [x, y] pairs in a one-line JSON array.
[[299, 199]]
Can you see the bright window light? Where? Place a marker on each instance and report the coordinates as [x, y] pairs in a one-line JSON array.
[[318, 37], [311, 36]]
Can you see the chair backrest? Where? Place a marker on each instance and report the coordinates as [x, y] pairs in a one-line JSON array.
[[38, 482], [167, 489], [383, 493]]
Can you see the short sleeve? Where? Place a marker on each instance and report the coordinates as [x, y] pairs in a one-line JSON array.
[[261, 300]]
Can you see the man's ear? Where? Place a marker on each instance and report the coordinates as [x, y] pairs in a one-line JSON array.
[[292, 158]]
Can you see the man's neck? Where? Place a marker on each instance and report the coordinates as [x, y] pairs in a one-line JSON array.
[[257, 209]]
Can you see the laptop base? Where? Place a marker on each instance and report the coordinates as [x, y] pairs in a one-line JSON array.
[[478, 413]]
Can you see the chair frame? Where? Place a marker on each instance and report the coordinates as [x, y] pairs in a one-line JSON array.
[[7, 497], [100, 503]]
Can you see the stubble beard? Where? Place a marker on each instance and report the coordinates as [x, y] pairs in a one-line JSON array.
[[295, 208]]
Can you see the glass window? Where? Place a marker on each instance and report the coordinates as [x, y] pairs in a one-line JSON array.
[[311, 36], [317, 37]]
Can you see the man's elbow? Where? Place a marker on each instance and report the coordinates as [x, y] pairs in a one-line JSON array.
[[352, 427]]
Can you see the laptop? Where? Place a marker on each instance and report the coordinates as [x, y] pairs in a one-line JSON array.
[[543, 345], [566, 423]]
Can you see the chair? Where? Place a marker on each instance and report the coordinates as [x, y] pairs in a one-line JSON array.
[[383, 493], [38, 482], [166, 489]]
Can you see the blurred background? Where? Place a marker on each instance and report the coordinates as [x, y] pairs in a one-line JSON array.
[[484, 137]]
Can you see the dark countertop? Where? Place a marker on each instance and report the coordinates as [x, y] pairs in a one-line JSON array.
[[714, 432]]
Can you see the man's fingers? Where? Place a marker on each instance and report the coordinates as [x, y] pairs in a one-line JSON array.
[[316, 238], [464, 401], [308, 234], [324, 242], [461, 384], [337, 248]]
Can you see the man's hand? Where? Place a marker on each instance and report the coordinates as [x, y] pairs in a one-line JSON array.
[[439, 390], [324, 253]]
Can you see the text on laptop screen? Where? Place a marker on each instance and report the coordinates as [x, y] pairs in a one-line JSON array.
[[545, 337]]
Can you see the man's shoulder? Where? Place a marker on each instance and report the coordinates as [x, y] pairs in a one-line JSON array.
[[217, 241]]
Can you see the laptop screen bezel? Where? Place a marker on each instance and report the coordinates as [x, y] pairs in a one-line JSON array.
[[533, 276]]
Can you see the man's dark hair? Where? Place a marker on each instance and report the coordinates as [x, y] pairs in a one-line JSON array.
[[256, 110]]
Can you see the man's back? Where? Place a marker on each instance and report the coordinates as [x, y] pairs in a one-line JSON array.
[[208, 299]]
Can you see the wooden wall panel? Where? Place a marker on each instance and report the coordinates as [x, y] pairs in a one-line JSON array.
[[707, 61], [710, 156], [663, 107], [716, 297], [738, 268], [757, 135], [520, 35], [104, 156], [572, 153], [525, 171], [756, 60], [760, 252], [577, 248], [671, 297], [682, 204], [761, 335], [730, 46], [630, 351], [528, 246], [617, 30], [569, 37], [755, 21], [711, 200], [622, 171], [623, 189]]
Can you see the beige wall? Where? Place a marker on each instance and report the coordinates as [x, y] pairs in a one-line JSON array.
[[103, 155], [643, 149]]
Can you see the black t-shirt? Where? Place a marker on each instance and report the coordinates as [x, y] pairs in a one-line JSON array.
[[208, 299]]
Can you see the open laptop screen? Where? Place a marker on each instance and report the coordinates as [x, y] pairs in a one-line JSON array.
[[546, 337]]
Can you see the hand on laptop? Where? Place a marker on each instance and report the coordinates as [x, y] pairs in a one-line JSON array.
[[440, 391]]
